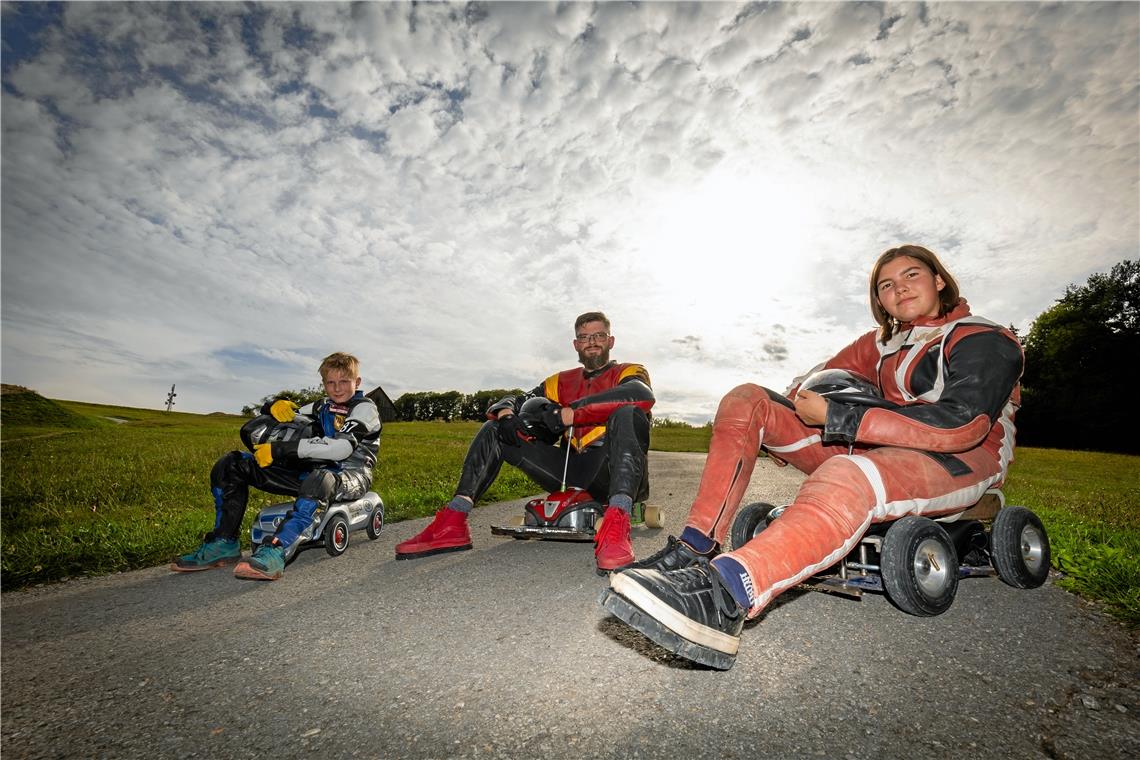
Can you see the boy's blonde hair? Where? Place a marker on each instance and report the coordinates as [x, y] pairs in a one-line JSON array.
[[342, 362]]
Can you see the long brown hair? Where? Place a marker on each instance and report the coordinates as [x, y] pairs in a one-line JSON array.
[[947, 297]]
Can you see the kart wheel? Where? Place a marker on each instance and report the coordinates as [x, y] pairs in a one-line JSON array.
[[1019, 548], [336, 536], [375, 523], [751, 520], [654, 517], [919, 566]]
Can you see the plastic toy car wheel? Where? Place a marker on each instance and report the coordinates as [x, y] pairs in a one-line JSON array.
[[1019, 548], [336, 536], [919, 566], [375, 523], [751, 520], [654, 517]]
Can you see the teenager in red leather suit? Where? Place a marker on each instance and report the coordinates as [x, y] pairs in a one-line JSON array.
[[956, 379]]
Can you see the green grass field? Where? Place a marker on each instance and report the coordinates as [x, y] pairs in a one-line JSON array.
[[85, 495]]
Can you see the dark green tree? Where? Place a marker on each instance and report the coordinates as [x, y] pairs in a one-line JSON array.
[[444, 406], [1076, 393], [408, 406]]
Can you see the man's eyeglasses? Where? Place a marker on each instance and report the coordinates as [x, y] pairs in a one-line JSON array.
[[598, 337]]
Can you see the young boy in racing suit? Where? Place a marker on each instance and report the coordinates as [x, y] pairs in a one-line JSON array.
[[334, 463], [606, 404], [956, 379]]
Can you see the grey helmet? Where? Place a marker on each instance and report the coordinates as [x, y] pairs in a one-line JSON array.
[[265, 429], [845, 387]]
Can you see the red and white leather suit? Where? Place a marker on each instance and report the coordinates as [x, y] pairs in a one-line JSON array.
[[957, 376]]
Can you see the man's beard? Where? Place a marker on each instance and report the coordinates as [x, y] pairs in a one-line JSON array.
[[592, 363]]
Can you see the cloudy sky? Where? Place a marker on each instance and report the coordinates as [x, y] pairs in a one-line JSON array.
[[218, 195]]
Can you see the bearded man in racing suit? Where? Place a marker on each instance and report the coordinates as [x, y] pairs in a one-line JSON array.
[[331, 461], [955, 377], [605, 407]]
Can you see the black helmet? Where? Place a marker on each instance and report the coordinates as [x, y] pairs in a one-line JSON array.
[[845, 387], [265, 429], [531, 414]]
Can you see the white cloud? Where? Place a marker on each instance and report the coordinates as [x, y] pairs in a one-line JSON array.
[[219, 195]]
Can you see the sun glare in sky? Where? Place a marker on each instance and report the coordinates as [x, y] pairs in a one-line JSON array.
[[735, 242]]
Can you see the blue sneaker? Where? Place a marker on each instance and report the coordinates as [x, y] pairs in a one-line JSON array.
[[217, 553], [266, 564]]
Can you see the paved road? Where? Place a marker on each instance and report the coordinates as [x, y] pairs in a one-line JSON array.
[[504, 652]]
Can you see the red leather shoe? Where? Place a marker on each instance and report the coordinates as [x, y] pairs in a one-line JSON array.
[[448, 532], [612, 548]]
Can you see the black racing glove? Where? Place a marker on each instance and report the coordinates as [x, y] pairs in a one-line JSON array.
[[512, 430]]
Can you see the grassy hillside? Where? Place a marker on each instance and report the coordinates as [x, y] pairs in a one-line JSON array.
[[83, 494], [21, 408]]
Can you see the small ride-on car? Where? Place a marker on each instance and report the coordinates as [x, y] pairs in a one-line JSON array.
[[330, 529]]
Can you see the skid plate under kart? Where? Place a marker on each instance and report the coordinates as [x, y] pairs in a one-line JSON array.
[[543, 531]]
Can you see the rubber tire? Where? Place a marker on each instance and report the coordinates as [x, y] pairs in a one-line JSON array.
[[654, 517], [375, 523], [331, 532], [750, 521], [911, 583], [1019, 548]]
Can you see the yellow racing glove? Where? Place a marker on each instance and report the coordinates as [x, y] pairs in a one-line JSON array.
[[263, 453], [283, 410]]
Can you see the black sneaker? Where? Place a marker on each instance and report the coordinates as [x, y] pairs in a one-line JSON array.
[[675, 556], [687, 611]]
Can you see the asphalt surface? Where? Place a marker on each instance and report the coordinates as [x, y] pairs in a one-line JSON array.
[[503, 651]]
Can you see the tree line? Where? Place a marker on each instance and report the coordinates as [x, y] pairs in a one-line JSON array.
[[449, 406]]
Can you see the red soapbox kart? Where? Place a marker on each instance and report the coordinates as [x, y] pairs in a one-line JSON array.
[[570, 514]]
